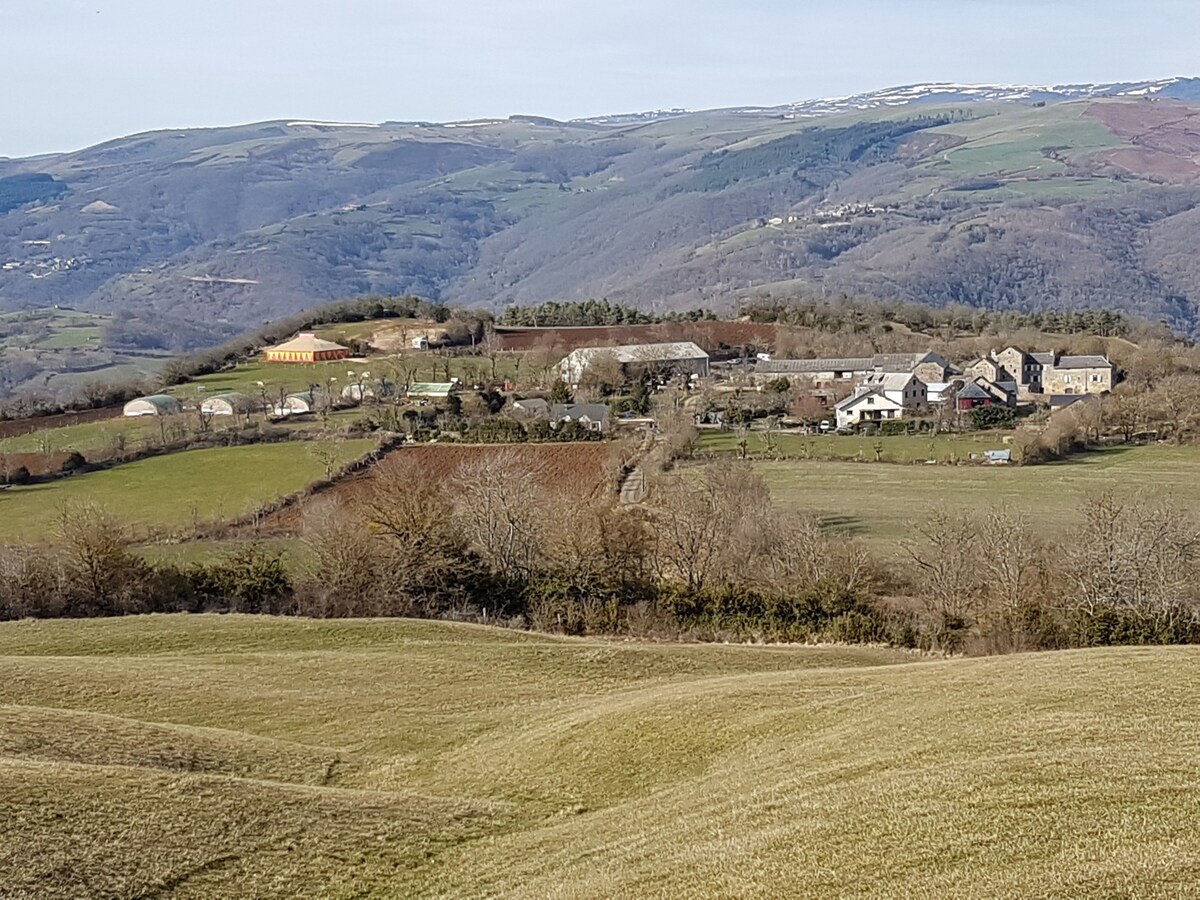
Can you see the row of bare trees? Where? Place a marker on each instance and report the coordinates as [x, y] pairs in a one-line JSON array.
[[1123, 571], [707, 554]]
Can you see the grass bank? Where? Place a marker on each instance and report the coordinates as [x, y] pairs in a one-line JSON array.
[[255, 757]]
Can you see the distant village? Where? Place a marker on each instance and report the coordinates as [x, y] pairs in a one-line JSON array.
[[842, 393]]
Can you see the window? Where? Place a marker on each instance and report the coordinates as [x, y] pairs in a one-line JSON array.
[[870, 401]]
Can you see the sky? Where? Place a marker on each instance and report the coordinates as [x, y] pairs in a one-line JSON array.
[[77, 72]]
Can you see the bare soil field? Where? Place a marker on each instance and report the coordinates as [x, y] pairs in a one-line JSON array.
[[709, 335]]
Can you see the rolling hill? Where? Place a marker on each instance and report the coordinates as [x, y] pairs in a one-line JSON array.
[[994, 196], [229, 755]]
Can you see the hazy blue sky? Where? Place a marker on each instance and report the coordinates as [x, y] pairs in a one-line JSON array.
[[74, 73]]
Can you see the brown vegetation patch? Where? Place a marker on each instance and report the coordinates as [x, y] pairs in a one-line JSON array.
[[1166, 139], [709, 335], [34, 463], [589, 468]]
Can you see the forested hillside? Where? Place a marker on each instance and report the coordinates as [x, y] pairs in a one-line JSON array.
[[1026, 203]]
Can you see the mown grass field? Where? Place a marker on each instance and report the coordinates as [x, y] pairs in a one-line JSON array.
[[897, 448], [234, 756], [174, 491], [880, 501]]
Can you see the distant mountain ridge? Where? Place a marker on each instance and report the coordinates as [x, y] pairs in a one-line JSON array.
[[942, 93], [996, 196]]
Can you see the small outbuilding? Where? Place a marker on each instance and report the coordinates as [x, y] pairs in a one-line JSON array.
[[230, 404], [306, 347], [153, 405], [433, 390]]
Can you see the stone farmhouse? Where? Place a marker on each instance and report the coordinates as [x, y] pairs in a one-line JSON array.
[[1049, 374]]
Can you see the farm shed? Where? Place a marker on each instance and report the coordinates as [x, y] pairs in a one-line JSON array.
[[678, 356], [433, 390], [307, 347], [153, 405], [229, 404], [295, 404]]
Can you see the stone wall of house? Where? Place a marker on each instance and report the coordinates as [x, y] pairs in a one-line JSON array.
[[1076, 381]]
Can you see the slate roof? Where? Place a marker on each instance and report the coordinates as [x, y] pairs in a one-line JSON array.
[[973, 391], [1082, 362], [890, 381], [812, 366], [885, 362], [593, 412]]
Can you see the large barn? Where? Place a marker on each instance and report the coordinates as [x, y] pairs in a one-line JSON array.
[[676, 356], [307, 347]]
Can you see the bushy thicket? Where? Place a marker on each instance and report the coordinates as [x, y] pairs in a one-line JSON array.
[[708, 557]]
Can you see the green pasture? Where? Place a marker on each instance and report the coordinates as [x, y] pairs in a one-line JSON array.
[[176, 491], [258, 757], [880, 501], [898, 448]]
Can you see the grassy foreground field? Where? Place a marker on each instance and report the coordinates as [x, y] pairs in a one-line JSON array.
[[878, 501], [177, 490], [231, 756]]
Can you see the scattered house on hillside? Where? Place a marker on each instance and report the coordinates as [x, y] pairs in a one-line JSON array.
[[667, 358], [593, 415], [306, 347], [985, 368], [1035, 374], [153, 405], [1022, 368], [905, 389], [296, 404], [1078, 375], [230, 404], [420, 342], [531, 408], [867, 405], [433, 390]]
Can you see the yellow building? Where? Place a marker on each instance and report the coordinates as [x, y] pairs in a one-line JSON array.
[[307, 347]]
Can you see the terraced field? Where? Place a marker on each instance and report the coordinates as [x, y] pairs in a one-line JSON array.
[[236, 756]]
